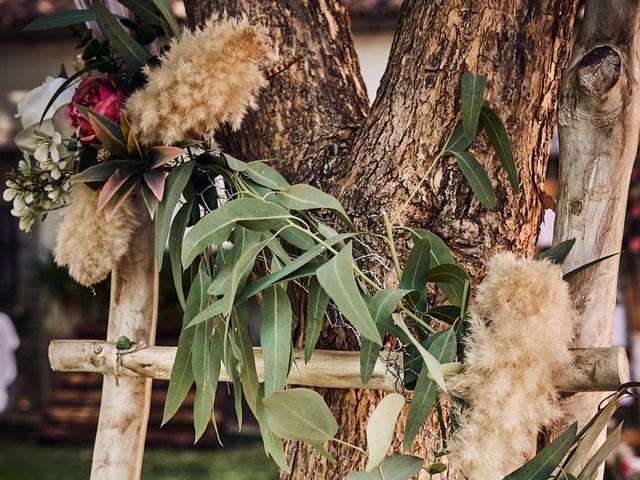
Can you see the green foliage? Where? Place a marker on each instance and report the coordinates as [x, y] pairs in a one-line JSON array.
[[380, 428], [60, 20]]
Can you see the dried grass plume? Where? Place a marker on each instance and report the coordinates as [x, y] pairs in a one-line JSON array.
[[519, 333], [210, 76], [87, 244]]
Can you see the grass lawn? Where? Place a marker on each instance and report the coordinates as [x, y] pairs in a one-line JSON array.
[[241, 459]]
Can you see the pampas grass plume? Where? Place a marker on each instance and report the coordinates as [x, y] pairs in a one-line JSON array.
[[87, 244], [518, 338], [210, 76]]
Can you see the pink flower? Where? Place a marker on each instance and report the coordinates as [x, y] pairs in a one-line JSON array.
[[99, 94]]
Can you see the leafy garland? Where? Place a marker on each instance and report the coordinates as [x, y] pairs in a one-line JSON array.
[[221, 216]]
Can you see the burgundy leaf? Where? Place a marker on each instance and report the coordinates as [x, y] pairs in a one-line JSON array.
[[156, 180], [112, 185], [163, 155]]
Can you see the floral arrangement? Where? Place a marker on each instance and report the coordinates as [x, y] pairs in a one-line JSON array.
[[130, 134]]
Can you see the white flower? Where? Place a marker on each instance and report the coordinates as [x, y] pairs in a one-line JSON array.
[[31, 106], [48, 147]]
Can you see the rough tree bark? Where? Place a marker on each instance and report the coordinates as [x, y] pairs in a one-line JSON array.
[[314, 117], [598, 119]]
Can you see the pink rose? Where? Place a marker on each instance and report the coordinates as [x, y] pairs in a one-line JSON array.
[[99, 94]]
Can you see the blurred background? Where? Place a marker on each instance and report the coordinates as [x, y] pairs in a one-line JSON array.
[[48, 420]]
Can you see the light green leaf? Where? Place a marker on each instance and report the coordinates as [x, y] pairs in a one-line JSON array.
[[434, 367], [320, 448], [181, 372], [303, 197], [499, 139], [176, 235], [547, 460], [167, 13], [272, 444], [300, 414], [558, 252], [215, 227], [380, 428], [264, 175], [275, 338], [477, 178], [132, 52], [472, 98], [336, 278], [174, 186], [396, 467], [235, 164], [60, 20], [601, 454], [443, 348], [317, 302], [297, 238]]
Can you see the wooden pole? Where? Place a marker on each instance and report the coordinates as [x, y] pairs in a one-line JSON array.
[[124, 409], [594, 369], [599, 121]]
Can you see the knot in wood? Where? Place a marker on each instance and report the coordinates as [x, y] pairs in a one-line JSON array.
[[599, 70]]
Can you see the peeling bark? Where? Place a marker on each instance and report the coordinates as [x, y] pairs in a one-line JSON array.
[[313, 118]]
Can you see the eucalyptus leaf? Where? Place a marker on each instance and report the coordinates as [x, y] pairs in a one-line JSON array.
[[297, 238], [132, 52], [235, 164], [382, 306], [457, 142], [248, 373], [317, 302], [499, 139], [100, 172], [215, 227], [60, 20], [300, 414], [450, 274], [272, 444], [336, 278], [477, 177], [472, 98], [601, 454], [264, 175], [434, 367], [416, 270], [174, 186], [558, 253], [142, 8], [440, 254], [380, 428], [275, 337], [547, 460], [445, 313], [588, 265], [181, 373], [396, 467], [176, 234], [165, 9], [443, 348], [303, 197]]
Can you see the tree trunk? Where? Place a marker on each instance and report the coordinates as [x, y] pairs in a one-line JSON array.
[[599, 113], [313, 117]]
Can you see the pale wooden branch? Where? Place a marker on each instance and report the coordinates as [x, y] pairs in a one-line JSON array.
[[124, 408], [593, 369], [598, 119]]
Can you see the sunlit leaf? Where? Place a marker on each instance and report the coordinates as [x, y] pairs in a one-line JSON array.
[[380, 428], [300, 414]]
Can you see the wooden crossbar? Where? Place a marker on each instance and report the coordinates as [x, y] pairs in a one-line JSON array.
[[593, 369]]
